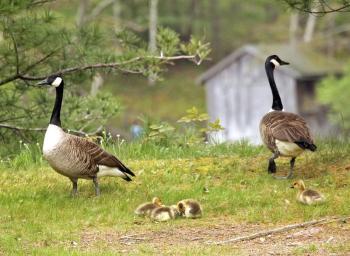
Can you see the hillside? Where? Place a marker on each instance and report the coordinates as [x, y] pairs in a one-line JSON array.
[[167, 100]]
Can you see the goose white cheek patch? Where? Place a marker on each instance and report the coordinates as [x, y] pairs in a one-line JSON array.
[[57, 81], [275, 62]]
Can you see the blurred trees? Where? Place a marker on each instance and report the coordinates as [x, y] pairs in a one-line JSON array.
[[335, 93], [38, 38]]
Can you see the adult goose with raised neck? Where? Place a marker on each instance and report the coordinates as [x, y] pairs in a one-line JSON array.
[[73, 156], [285, 134]]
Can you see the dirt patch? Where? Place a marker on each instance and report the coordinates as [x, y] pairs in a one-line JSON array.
[[315, 240]]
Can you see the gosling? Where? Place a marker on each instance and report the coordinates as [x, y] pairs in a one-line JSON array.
[[145, 209], [307, 196], [164, 213], [190, 208]]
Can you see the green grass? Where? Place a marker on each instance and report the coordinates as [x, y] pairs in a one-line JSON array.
[[38, 216]]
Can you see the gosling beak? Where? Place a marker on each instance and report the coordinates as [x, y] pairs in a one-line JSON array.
[[291, 186], [43, 82], [284, 63]]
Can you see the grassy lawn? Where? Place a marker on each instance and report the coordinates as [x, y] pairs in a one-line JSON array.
[[39, 217]]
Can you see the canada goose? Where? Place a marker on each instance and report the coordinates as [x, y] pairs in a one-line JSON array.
[[164, 213], [285, 134], [146, 208], [73, 156], [189, 208], [307, 196]]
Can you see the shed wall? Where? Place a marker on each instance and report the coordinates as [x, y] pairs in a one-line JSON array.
[[240, 95]]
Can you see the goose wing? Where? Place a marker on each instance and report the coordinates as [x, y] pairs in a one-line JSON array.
[[289, 127], [94, 155]]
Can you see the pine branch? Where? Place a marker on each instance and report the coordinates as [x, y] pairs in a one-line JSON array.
[[326, 8], [41, 60], [117, 65]]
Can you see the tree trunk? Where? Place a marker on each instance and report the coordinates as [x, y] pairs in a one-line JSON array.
[[330, 39], [116, 15], [152, 45], [81, 14], [215, 28], [310, 27], [293, 28], [96, 84]]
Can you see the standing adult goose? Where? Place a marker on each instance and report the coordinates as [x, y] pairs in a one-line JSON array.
[[73, 156], [285, 134]]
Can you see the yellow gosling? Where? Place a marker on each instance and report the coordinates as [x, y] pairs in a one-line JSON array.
[[190, 208], [145, 209], [307, 196], [164, 213]]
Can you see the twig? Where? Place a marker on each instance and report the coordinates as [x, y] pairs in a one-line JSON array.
[[39, 129], [18, 128], [344, 8], [41, 60], [277, 230]]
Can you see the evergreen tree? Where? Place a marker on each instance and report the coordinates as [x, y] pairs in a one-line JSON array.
[[37, 40]]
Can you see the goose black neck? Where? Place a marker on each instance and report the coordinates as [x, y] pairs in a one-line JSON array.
[[56, 112], [276, 101]]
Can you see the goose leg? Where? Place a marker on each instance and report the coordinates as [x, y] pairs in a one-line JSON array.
[[272, 165], [75, 186], [290, 174], [97, 188]]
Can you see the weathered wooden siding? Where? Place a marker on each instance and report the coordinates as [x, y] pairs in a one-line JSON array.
[[240, 95]]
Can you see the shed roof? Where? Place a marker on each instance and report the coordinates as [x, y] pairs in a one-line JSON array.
[[304, 61]]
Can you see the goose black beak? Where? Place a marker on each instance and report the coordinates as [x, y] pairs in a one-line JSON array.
[[43, 82], [284, 63], [291, 186]]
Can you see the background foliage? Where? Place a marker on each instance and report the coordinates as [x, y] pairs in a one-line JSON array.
[[41, 37]]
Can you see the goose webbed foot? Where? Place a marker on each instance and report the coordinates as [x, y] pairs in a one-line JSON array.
[[97, 187], [75, 187]]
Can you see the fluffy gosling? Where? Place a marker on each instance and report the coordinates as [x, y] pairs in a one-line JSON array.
[[190, 208], [164, 213], [145, 209], [307, 196]]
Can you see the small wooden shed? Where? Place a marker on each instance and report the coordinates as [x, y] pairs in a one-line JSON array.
[[238, 92]]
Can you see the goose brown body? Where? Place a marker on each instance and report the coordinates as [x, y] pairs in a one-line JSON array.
[[280, 126], [76, 157]]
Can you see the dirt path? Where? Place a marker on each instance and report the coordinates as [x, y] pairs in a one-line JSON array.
[[323, 239]]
